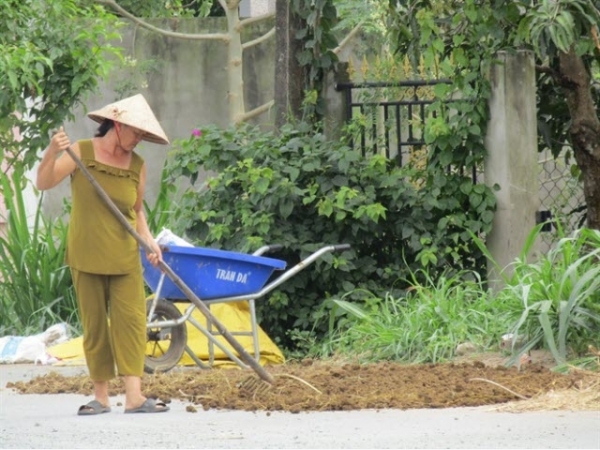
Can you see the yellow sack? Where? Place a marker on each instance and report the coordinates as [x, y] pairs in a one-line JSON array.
[[234, 317]]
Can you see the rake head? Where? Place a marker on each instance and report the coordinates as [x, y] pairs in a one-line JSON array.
[[253, 386]]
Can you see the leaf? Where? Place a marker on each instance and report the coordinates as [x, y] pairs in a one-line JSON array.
[[475, 199], [466, 187], [261, 185], [352, 309], [293, 173], [325, 208], [285, 208], [470, 12]]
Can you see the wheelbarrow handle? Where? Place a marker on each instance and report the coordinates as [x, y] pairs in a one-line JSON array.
[[268, 249], [341, 247], [274, 247]]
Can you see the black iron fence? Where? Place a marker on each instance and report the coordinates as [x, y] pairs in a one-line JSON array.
[[391, 118]]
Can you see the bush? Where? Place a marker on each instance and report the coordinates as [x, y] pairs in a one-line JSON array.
[[298, 189]]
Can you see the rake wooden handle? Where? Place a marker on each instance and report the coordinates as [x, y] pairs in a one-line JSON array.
[[248, 359]]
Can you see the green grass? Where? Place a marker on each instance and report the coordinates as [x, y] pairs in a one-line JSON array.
[[558, 296], [552, 303], [425, 325], [35, 284]]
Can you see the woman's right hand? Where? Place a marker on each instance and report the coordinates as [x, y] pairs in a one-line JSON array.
[[59, 142]]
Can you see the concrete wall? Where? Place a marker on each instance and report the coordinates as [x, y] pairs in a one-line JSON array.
[[252, 8]]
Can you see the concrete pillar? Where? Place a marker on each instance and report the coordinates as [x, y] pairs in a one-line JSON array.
[[289, 74], [335, 102], [512, 158]]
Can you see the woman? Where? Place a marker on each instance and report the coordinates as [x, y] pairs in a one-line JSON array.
[[103, 256]]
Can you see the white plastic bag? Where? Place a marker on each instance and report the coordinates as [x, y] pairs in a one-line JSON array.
[[166, 237], [32, 349], [56, 334]]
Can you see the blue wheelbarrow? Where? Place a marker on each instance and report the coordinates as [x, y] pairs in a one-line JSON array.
[[214, 276]]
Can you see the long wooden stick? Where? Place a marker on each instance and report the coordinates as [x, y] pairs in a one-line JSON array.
[[248, 359]]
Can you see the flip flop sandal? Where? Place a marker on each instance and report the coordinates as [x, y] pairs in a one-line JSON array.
[[93, 408], [149, 406]]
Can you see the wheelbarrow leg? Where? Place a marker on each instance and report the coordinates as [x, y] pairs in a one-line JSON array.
[[197, 360], [254, 329]]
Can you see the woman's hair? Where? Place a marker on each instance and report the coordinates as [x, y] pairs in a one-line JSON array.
[[106, 125]]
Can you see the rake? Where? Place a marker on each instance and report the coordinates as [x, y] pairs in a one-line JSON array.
[[245, 386]]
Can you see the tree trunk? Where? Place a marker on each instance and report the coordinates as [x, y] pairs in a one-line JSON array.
[[290, 78], [235, 94], [585, 130]]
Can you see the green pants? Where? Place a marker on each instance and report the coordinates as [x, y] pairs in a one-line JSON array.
[[112, 309]]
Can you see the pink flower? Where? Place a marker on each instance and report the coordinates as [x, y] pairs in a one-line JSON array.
[[196, 132]]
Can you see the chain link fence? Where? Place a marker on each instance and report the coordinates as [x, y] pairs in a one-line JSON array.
[[561, 199]]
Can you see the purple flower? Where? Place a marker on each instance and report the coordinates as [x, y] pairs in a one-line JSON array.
[[196, 132]]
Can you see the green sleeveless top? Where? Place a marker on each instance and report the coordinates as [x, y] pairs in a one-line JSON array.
[[97, 242]]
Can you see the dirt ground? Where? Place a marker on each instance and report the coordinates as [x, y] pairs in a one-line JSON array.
[[309, 385]]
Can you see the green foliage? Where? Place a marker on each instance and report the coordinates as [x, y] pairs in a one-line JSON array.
[[551, 303], [424, 325], [317, 57], [557, 300], [551, 26], [51, 55], [439, 42], [162, 214], [302, 191], [369, 14], [35, 284], [173, 8]]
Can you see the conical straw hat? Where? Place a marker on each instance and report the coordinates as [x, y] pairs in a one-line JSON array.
[[136, 112]]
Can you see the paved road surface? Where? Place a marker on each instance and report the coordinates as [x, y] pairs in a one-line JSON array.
[[50, 421]]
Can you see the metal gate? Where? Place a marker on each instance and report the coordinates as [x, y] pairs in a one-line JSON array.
[[392, 117]]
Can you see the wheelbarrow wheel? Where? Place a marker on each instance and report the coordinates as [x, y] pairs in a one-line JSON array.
[[164, 345]]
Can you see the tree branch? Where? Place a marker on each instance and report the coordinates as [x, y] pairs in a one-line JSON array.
[[231, 4], [550, 71], [255, 112], [251, 20], [260, 39], [349, 36], [212, 36]]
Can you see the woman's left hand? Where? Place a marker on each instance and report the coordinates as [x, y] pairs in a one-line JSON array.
[[155, 257]]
